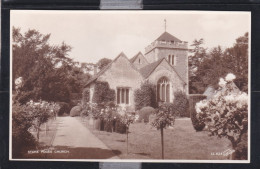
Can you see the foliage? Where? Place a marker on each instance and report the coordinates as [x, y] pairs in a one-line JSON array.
[[64, 108], [103, 63], [164, 117], [127, 119], [197, 124], [120, 127], [85, 95], [145, 96], [75, 111], [206, 67], [22, 139], [103, 93], [41, 111], [181, 104], [226, 114], [144, 114], [46, 71]]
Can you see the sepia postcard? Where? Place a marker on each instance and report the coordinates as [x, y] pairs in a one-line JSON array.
[[130, 86]]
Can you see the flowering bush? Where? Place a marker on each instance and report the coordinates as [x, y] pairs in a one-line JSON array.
[[22, 139], [226, 114], [41, 111]]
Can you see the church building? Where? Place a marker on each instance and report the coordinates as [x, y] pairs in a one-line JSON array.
[[164, 63]]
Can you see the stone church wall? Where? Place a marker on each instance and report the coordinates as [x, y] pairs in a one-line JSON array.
[[164, 70], [122, 74]]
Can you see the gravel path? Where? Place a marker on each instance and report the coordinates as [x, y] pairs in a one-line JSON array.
[[75, 141]]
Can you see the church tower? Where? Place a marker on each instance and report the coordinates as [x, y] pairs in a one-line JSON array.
[[173, 50]]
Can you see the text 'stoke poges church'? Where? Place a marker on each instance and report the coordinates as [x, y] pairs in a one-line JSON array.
[[164, 63]]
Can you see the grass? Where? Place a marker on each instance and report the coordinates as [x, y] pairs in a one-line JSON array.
[[181, 142]]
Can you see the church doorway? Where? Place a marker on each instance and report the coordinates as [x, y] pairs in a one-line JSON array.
[[163, 90]]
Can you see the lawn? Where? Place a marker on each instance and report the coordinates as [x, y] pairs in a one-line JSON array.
[[181, 142]]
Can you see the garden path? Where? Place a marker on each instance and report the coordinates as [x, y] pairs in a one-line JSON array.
[[74, 140]]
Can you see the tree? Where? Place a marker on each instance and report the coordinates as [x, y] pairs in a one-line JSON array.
[[205, 68], [164, 117], [103, 63], [226, 115], [197, 57], [236, 61], [127, 119], [46, 71], [41, 112]]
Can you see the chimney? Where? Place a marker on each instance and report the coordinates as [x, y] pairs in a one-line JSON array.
[[95, 69]]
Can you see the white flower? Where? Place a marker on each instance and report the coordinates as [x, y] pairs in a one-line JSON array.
[[230, 77], [222, 82], [230, 98], [201, 105], [242, 99]]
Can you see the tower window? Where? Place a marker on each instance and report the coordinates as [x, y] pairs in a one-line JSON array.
[[171, 59], [139, 61]]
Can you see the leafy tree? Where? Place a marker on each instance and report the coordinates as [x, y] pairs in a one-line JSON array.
[[197, 57], [205, 68], [236, 61], [46, 71], [127, 119], [164, 117], [103, 63]]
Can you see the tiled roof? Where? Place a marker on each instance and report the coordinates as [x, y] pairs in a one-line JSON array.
[[133, 58], [103, 70], [148, 69], [168, 37]]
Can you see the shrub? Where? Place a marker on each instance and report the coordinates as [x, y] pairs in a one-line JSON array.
[[144, 114], [120, 127], [197, 124], [103, 93], [226, 115], [145, 96], [75, 111], [22, 139], [64, 108]]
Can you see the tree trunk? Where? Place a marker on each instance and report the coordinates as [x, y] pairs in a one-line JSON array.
[[126, 140], [162, 142]]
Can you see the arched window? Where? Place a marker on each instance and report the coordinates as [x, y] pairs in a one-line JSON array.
[[163, 90]]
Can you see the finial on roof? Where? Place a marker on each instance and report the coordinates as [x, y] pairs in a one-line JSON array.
[[165, 25]]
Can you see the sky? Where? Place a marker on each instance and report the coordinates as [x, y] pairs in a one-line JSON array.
[[97, 34]]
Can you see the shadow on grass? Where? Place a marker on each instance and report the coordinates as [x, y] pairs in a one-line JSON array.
[[143, 154], [64, 152]]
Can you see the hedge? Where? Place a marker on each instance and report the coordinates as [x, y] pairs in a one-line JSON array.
[[75, 111], [64, 108], [181, 104], [145, 96], [193, 99]]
